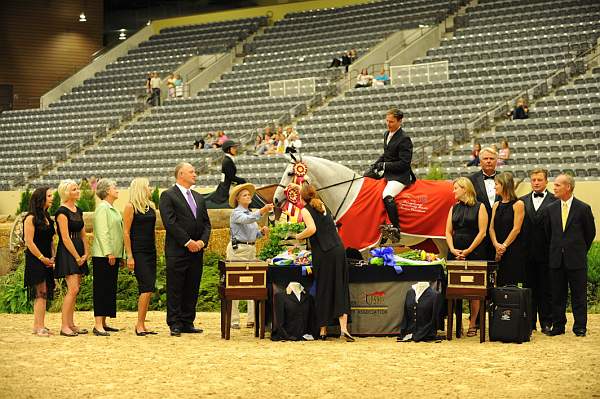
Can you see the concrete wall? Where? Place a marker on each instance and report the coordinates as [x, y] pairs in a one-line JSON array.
[[430, 37], [211, 72], [97, 65], [277, 12]]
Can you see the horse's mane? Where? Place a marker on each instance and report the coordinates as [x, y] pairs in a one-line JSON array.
[[327, 162]]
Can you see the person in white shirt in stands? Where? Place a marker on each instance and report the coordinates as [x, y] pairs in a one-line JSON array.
[[363, 79], [293, 142], [155, 83]]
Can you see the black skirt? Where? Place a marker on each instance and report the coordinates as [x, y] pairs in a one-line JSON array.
[[65, 262], [332, 299], [35, 273], [145, 271]]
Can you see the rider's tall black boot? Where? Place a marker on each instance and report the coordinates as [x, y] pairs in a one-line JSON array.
[[392, 211]]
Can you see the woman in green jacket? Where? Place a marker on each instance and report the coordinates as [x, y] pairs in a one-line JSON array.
[[107, 253]]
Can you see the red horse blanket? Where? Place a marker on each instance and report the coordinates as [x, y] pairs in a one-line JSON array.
[[423, 209]]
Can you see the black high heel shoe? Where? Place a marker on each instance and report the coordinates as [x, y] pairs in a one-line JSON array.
[[348, 337], [140, 333]]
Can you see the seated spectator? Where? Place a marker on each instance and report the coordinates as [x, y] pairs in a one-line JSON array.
[[382, 78], [335, 62], [353, 55], [221, 138], [199, 144], [267, 144], [178, 86], [258, 143], [521, 110], [504, 153], [475, 155], [292, 143], [171, 86], [363, 79]]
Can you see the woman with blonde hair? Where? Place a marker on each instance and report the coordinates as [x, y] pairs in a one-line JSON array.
[[465, 230], [505, 226], [332, 300], [107, 252], [139, 218], [72, 253]]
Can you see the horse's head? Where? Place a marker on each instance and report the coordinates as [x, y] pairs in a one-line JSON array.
[[295, 172]]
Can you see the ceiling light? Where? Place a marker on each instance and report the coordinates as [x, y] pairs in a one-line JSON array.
[[82, 17], [122, 35]]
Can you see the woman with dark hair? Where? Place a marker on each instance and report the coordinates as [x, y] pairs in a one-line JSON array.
[[228, 173], [39, 232], [505, 226], [329, 259]]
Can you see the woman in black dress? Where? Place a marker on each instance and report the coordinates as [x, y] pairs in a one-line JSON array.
[[465, 230], [507, 219], [139, 219], [72, 253], [38, 230], [329, 259]]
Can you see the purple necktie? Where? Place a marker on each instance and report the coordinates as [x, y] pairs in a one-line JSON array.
[[191, 203]]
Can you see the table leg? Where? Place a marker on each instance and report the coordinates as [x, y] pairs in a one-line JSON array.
[[482, 320], [223, 315], [450, 320], [262, 318], [256, 317], [228, 320], [459, 314]]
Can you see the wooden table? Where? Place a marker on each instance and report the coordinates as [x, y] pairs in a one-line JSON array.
[[470, 280], [243, 280]]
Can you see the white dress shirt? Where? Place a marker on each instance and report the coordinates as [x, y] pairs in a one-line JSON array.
[[537, 201]]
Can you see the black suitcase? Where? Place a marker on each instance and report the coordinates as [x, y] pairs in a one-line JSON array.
[[510, 319]]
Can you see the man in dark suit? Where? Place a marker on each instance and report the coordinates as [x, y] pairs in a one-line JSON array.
[[537, 274], [571, 231], [484, 184], [394, 166], [187, 226]]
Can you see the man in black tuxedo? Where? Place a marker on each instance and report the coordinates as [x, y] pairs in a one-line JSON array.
[[571, 231], [187, 226], [484, 184], [537, 274], [394, 166]]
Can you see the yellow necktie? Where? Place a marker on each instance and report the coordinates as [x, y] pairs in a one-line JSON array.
[[565, 214]]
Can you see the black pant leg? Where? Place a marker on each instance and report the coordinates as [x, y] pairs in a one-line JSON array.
[[578, 285], [545, 295], [532, 282], [104, 287], [559, 297], [191, 286], [176, 266]]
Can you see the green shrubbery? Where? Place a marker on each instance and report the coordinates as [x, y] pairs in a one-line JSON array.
[[87, 199], [24, 202], [13, 296]]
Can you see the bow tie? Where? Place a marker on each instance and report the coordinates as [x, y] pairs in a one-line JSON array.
[[488, 177], [538, 195]]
